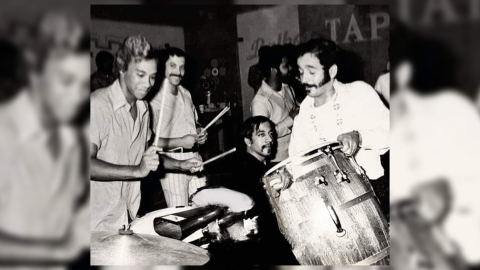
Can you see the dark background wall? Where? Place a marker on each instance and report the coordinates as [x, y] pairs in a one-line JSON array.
[[368, 53], [211, 36]]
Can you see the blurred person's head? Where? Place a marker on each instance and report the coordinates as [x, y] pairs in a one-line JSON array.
[[262, 52], [259, 136], [12, 71], [317, 64], [421, 65], [274, 66], [104, 61], [59, 63], [292, 55], [136, 61], [172, 65], [63, 81]]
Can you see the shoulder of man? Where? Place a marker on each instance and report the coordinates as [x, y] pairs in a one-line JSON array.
[[100, 100], [451, 101], [361, 90]]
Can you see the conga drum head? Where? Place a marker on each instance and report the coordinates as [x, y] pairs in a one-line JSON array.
[[329, 213]]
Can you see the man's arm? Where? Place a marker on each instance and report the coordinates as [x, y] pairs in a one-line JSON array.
[[373, 119], [104, 171], [284, 127], [12, 252], [187, 142]]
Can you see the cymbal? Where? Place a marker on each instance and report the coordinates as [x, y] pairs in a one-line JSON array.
[[113, 248]]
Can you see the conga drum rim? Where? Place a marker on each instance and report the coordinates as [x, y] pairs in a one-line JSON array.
[[296, 156]]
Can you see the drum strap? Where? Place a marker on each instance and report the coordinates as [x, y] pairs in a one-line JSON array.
[[375, 258], [357, 200]]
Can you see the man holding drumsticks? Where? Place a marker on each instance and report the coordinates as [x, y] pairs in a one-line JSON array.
[[119, 133], [173, 110], [350, 113]]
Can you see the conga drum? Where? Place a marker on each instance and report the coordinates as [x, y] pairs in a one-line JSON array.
[[328, 210]]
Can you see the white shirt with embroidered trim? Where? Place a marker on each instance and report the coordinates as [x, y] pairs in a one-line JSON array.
[[436, 137], [354, 106]]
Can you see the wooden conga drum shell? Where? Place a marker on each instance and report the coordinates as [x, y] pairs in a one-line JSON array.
[[307, 223]]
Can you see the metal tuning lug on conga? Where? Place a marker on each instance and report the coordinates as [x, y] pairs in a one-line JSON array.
[[343, 177], [340, 231], [357, 167], [320, 180], [125, 230]]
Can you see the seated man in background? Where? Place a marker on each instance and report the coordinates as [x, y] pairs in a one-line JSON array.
[[251, 164]]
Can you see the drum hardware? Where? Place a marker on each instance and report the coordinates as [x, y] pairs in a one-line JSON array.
[[320, 180], [340, 231], [125, 230], [343, 176], [357, 167], [301, 216]]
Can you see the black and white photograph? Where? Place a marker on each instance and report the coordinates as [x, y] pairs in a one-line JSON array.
[[239, 135]]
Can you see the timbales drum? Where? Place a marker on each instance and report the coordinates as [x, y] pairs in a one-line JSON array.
[[328, 210]]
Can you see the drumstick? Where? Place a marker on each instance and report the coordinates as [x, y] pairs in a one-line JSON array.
[[178, 148], [220, 156], [216, 118], [157, 133]]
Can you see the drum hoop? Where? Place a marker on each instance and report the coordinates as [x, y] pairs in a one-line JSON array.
[[290, 159]]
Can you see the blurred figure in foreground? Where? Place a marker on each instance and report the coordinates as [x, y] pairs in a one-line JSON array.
[[435, 172], [41, 217], [104, 76]]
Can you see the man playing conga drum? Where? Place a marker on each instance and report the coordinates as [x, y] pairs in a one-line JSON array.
[[351, 113]]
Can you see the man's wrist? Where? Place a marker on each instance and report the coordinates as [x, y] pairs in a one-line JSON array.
[[359, 136], [178, 164], [136, 171]]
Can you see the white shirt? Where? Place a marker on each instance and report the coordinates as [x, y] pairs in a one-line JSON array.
[[277, 107], [383, 86], [438, 137], [38, 193], [354, 106], [122, 141]]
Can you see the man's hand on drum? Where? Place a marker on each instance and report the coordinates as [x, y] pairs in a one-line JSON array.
[[277, 183], [350, 142], [192, 165]]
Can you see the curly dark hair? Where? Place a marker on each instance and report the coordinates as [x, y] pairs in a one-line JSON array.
[[324, 49], [253, 123], [134, 48]]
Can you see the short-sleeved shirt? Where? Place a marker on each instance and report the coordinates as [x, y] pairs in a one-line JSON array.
[[121, 141], [38, 193], [179, 117], [277, 107]]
